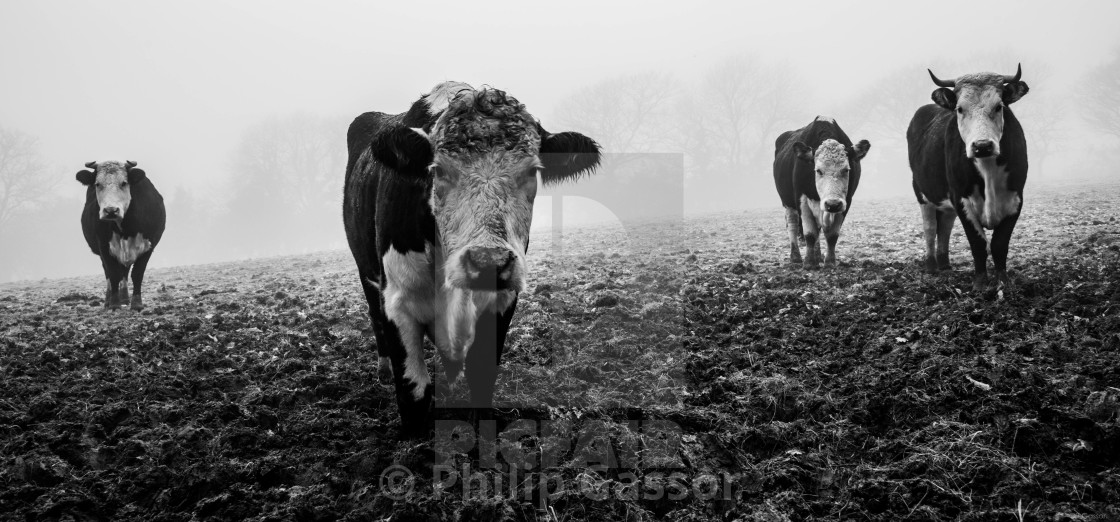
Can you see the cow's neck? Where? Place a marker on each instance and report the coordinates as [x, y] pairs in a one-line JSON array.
[[457, 312], [999, 201]]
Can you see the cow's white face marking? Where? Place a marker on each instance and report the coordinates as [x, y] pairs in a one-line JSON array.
[[112, 190], [826, 119], [487, 203], [980, 115], [831, 171], [127, 250]]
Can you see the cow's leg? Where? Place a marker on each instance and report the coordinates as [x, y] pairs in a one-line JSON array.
[[123, 292], [793, 226], [403, 339], [114, 273], [485, 355], [929, 228], [978, 243], [812, 246], [1001, 241], [945, 219], [138, 269], [377, 319], [830, 236]]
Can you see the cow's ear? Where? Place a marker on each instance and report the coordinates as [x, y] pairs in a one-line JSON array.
[[404, 149], [86, 177], [803, 151], [136, 175], [945, 98], [1013, 91], [859, 150], [567, 155]]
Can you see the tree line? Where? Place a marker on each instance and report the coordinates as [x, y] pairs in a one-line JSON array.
[[284, 183]]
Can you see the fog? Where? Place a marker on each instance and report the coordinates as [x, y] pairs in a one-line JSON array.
[[238, 111]]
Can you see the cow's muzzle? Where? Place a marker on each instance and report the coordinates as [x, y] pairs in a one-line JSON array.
[[834, 205], [111, 214], [983, 148], [489, 268]]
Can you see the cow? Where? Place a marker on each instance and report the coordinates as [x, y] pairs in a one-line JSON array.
[[816, 171], [438, 201], [122, 222], [968, 156]]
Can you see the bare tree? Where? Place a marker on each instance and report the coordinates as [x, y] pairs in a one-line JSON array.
[[1099, 98], [729, 125], [624, 114], [24, 181], [287, 185]]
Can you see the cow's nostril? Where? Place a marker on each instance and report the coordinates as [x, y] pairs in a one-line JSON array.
[[983, 148], [833, 205], [489, 258]]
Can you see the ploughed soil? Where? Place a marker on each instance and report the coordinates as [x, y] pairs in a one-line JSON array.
[[661, 371]]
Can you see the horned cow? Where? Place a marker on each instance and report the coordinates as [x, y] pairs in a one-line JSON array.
[[968, 156], [122, 221]]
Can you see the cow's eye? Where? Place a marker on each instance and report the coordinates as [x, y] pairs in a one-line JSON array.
[[124, 184], [819, 173], [999, 108], [960, 110], [99, 186]]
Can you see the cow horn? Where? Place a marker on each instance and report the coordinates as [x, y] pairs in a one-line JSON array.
[[942, 83], [1018, 74], [129, 164], [91, 165]]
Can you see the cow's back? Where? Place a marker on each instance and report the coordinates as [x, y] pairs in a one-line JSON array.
[[146, 213], [926, 143], [359, 198]]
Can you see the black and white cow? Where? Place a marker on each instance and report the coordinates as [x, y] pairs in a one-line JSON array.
[[968, 155], [437, 206], [817, 170], [122, 222]]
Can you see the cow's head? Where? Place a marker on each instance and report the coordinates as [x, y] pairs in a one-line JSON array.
[[483, 155], [979, 100], [111, 182], [833, 165]]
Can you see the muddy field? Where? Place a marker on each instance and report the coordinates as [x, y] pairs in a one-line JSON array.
[[643, 366]]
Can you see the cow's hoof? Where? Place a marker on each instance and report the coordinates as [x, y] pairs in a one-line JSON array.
[[452, 369], [979, 282], [812, 266], [1003, 281], [943, 263], [385, 372], [931, 266], [137, 306]]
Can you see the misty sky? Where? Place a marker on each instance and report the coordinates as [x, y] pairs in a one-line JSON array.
[[174, 84]]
